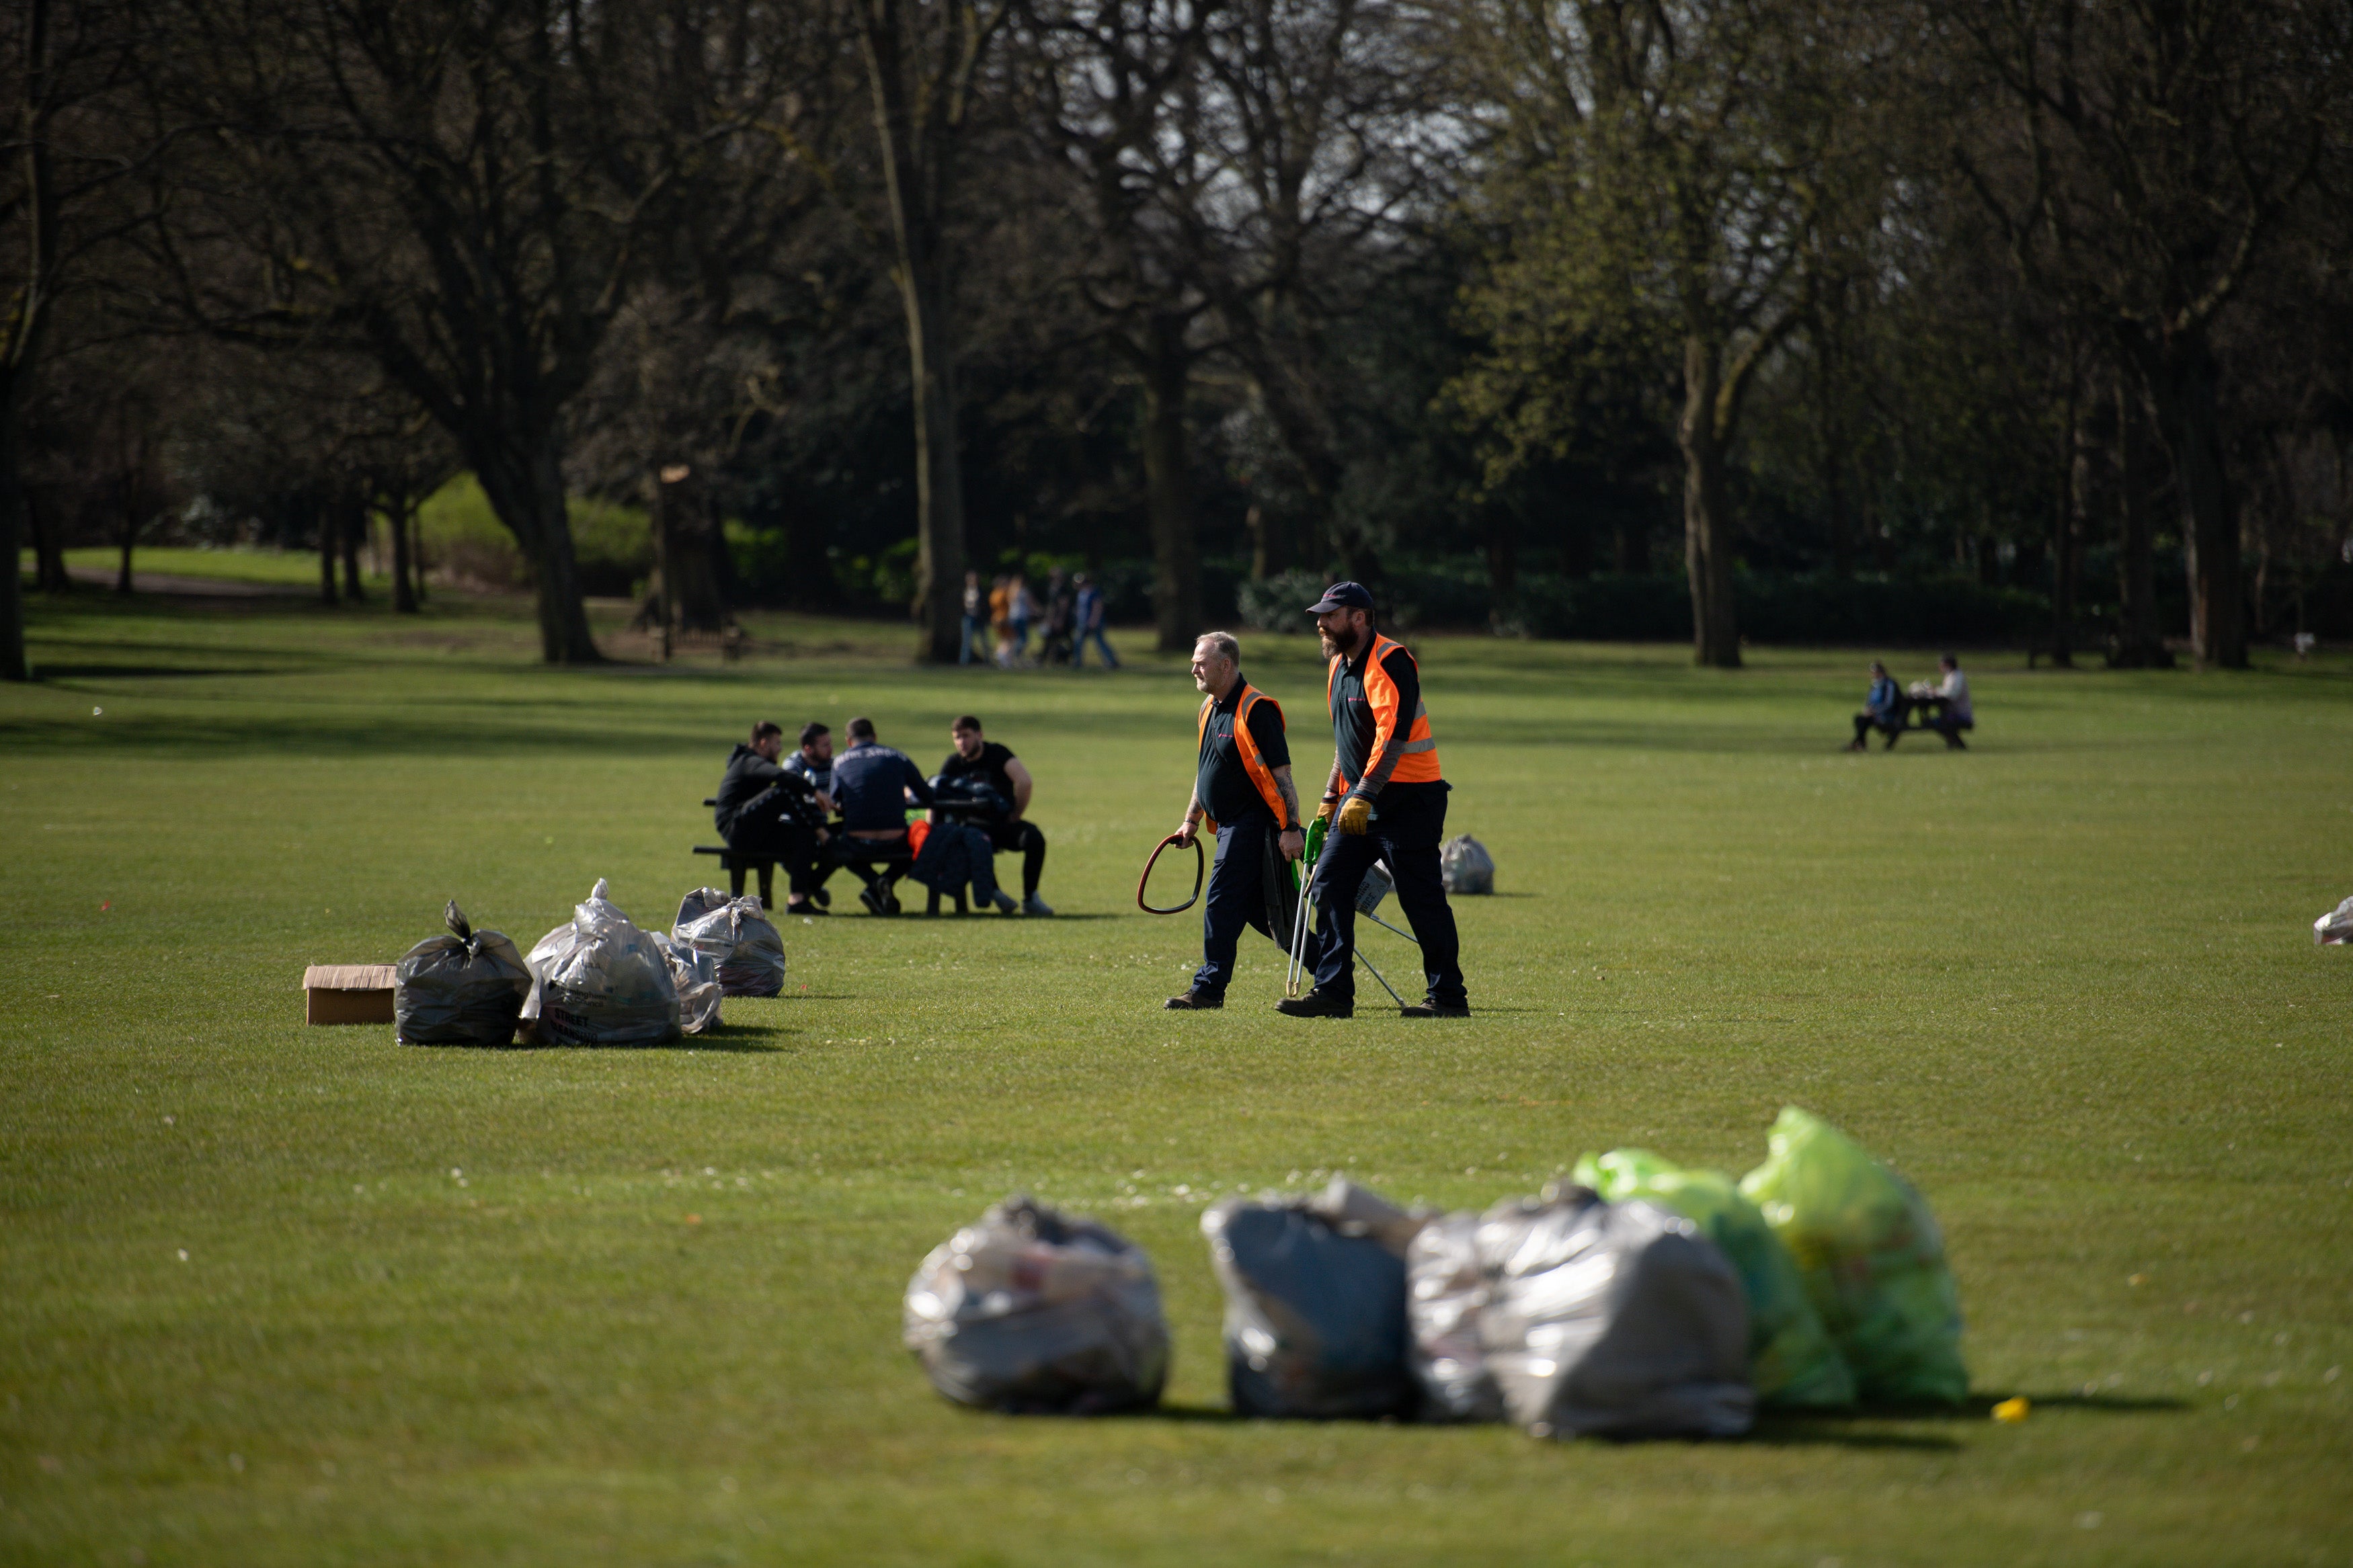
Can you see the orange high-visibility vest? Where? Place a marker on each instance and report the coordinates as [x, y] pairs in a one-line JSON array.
[[1247, 745], [1419, 762]]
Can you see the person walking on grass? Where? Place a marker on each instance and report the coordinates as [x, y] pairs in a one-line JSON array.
[[1243, 793], [1089, 613], [1387, 801]]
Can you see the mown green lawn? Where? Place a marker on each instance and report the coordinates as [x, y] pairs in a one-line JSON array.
[[278, 1295]]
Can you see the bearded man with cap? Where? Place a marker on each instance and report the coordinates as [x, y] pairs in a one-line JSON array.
[[1387, 801]]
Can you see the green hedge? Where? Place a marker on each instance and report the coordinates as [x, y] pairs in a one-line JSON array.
[[464, 538]]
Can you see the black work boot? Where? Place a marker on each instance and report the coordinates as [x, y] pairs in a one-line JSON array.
[[1192, 1002], [1436, 1010], [1315, 1005]]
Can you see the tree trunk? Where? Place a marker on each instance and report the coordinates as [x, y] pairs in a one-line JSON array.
[[1707, 531], [325, 516], [2074, 476], [1166, 365], [2139, 645], [416, 549], [1263, 562], [1831, 444], [49, 574], [13, 664], [129, 498], [396, 514], [524, 482], [2183, 378], [351, 517]]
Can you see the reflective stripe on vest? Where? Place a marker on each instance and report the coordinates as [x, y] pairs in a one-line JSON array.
[[1417, 759], [1246, 745]]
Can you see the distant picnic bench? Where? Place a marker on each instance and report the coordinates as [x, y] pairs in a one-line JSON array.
[[879, 865]]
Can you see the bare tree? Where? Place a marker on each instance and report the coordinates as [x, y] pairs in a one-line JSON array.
[[2141, 159]]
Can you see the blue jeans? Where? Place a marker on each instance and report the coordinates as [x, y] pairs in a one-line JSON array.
[[1406, 835], [1079, 651], [974, 626], [1238, 898]]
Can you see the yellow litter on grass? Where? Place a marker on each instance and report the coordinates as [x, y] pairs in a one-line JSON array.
[[2013, 1410]]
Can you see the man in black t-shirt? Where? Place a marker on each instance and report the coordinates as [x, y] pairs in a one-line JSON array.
[[983, 762], [1243, 784]]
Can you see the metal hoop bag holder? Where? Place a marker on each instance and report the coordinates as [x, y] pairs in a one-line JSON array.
[[1200, 874]]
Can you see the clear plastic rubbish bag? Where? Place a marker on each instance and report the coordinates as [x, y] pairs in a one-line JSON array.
[[1446, 1290], [695, 975], [1791, 1362], [1316, 1313], [1033, 1310], [2335, 928], [465, 988], [737, 934], [600, 981], [1466, 866], [1617, 1319], [1873, 1259]]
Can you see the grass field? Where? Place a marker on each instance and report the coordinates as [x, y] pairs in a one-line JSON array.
[[278, 1295]]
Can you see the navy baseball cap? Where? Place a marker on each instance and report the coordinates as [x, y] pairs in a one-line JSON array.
[[1343, 596]]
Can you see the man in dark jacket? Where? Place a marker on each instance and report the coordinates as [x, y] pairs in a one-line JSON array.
[[873, 784], [767, 812]]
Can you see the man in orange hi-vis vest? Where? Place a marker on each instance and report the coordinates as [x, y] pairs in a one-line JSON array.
[[1242, 789], [1386, 800]]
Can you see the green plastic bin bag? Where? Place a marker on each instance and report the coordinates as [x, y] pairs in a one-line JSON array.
[[1872, 1257], [1791, 1362]]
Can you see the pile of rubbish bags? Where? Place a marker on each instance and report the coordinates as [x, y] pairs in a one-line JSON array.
[[1640, 1299], [742, 944], [1035, 1311], [600, 981], [465, 988]]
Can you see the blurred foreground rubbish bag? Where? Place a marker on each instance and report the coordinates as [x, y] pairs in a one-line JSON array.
[[1791, 1362], [695, 976], [1031, 1311], [2335, 928], [1873, 1259], [1466, 866], [1617, 1319], [737, 935], [600, 981], [1315, 1321], [1446, 1290], [465, 988]]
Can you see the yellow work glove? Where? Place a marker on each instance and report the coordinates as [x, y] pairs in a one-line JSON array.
[[1323, 810], [1356, 815]]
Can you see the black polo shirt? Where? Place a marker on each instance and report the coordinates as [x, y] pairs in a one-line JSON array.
[[1223, 785]]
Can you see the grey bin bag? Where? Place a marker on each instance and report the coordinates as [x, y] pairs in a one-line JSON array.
[[1446, 1291], [1465, 865], [737, 934], [696, 977], [465, 988], [1613, 1318], [600, 981], [1316, 1319], [1034, 1311]]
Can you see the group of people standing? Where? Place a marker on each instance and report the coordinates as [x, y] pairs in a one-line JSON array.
[[997, 621], [813, 811]]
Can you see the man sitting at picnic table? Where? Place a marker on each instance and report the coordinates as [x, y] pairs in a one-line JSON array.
[[1882, 709], [1955, 714], [765, 812], [873, 784]]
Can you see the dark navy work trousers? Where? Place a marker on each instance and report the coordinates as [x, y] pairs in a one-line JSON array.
[[1237, 899], [1410, 823]]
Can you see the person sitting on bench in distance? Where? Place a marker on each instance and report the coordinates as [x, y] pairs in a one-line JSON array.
[[873, 784], [985, 762], [767, 813], [1957, 715], [1882, 709]]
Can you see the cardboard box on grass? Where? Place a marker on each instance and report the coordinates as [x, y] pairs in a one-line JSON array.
[[347, 993]]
